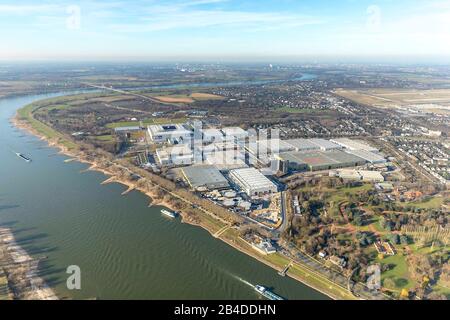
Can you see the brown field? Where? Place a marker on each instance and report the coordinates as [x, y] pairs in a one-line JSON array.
[[205, 96], [437, 101], [174, 99], [105, 99]]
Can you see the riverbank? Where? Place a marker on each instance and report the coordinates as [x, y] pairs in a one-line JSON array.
[[311, 279], [20, 271]]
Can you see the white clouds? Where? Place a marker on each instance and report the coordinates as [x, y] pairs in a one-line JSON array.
[[26, 9], [170, 18]]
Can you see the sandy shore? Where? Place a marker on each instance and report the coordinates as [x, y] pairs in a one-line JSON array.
[[22, 270]]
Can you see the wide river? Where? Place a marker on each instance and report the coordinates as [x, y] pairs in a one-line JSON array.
[[125, 249]]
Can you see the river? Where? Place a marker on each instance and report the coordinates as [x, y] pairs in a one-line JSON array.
[[125, 249]]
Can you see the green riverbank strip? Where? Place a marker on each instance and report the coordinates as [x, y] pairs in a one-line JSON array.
[[26, 113]]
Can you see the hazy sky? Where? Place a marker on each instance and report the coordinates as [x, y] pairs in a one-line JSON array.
[[222, 28]]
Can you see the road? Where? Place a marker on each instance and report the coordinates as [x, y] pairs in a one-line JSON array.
[[128, 93]]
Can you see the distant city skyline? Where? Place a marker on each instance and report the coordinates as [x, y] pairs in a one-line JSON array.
[[226, 30]]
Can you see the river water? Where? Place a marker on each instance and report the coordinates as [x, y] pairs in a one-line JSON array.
[[125, 249]]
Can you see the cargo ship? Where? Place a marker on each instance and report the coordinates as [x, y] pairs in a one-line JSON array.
[[265, 292], [168, 213], [23, 157]]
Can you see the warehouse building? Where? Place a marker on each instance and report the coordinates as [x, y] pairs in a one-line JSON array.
[[273, 146], [205, 176], [252, 182], [127, 129], [302, 145], [211, 135], [325, 145], [354, 144], [234, 133], [220, 146], [175, 155], [226, 160], [369, 156], [169, 132], [364, 175], [371, 176], [320, 160]]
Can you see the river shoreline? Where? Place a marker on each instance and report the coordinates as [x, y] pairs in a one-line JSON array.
[[22, 271], [113, 178]]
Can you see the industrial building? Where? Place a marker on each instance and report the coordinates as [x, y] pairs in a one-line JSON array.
[[354, 144], [302, 145], [234, 133], [205, 176], [371, 176], [127, 129], [175, 155], [364, 175], [212, 135], [220, 146], [369, 156], [320, 160], [226, 160], [325, 145], [252, 182], [169, 132], [273, 146]]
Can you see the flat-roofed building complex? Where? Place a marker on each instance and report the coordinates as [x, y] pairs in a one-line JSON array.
[[205, 176], [169, 132], [369, 156], [302, 145], [320, 160], [364, 175], [175, 155], [325, 145], [127, 129], [252, 182], [234, 133], [220, 146], [371, 176], [354, 144], [226, 160], [273, 146], [212, 135]]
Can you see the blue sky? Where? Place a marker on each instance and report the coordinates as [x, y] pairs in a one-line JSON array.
[[156, 29]]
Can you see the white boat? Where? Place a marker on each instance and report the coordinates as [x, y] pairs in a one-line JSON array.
[[265, 292], [168, 213]]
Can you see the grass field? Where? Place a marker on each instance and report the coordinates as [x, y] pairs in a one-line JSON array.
[[393, 98], [175, 99], [145, 122], [296, 110], [399, 272], [205, 96], [26, 113], [105, 138], [432, 203]]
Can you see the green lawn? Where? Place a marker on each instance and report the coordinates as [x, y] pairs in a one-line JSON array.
[[105, 138], [145, 122], [296, 110], [26, 113], [399, 273], [432, 203], [339, 194], [57, 107]]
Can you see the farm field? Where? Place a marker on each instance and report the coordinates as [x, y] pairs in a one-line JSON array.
[[437, 100], [186, 98]]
